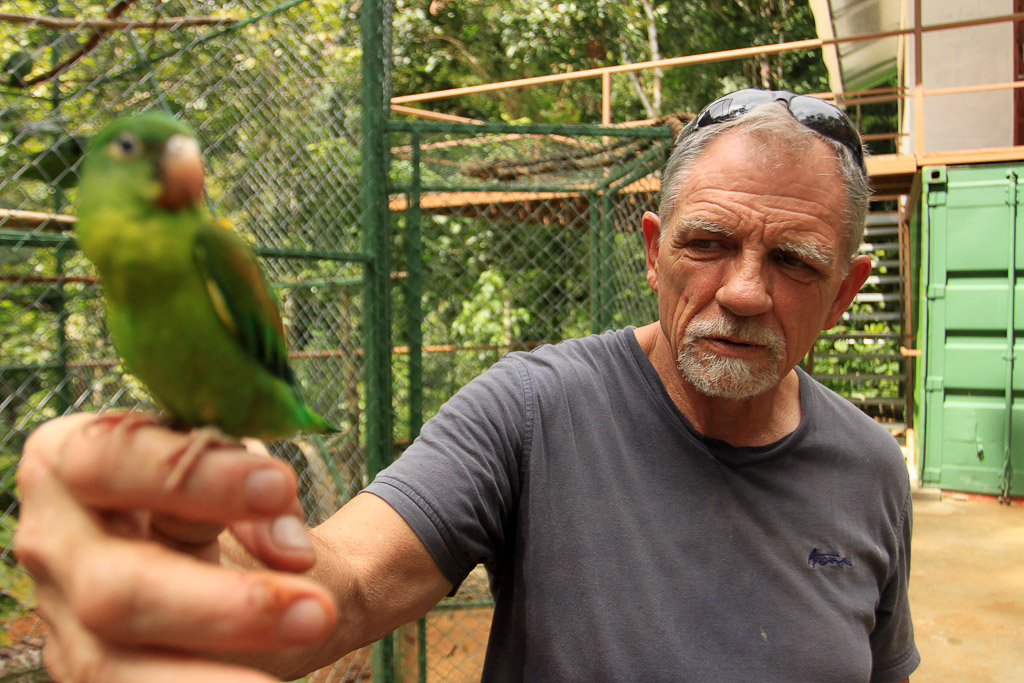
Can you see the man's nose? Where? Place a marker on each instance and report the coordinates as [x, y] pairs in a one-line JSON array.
[[744, 290]]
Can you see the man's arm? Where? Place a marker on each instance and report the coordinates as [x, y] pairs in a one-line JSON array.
[[128, 575]]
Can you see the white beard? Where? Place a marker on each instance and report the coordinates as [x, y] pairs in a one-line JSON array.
[[725, 376]]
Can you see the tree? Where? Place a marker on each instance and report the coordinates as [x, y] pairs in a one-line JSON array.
[[440, 45]]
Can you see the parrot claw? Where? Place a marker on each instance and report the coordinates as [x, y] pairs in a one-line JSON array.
[[184, 459], [123, 422]]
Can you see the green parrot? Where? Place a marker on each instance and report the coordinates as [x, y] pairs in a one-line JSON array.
[[188, 306]]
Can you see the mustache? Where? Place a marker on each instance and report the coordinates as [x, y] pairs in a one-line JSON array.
[[748, 331]]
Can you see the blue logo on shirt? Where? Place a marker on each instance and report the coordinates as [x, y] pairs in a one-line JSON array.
[[818, 558]]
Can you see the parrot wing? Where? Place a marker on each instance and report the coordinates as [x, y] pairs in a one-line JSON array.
[[242, 298]]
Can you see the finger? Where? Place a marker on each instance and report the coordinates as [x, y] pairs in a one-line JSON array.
[[282, 543], [125, 596], [155, 667], [88, 660], [71, 653], [119, 588], [256, 447], [199, 539], [129, 469], [54, 456]]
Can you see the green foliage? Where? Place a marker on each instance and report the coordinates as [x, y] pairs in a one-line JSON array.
[[441, 45], [488, 315]]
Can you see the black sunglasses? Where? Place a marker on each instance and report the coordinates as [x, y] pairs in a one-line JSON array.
[[818, 115]]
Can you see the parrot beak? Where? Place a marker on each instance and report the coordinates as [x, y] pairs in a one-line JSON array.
[[181, 173]]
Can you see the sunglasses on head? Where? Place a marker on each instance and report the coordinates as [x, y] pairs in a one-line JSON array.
[[820, 116]]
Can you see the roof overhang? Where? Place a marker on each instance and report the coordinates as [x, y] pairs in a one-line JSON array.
[[864, 64]]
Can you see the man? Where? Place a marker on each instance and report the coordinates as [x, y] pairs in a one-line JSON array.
[[672, 502]]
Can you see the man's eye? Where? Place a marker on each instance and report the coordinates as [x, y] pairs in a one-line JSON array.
[[703, 245], [792, 261]]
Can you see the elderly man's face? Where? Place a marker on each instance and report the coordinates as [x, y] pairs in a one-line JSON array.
[[750, 269]]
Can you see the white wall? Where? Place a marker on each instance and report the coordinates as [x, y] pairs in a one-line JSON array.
[[964, 56]]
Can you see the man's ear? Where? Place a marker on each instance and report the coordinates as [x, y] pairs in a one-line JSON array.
[[652, 235], [860, 268]]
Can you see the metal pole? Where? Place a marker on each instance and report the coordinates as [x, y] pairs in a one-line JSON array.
[[607, 287], [63, 394], [918, 84], [414, 322], [606, 98], [1011, 274], [595, 259], [376, 243]]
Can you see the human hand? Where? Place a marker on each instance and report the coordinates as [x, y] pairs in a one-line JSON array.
[[127, 569]]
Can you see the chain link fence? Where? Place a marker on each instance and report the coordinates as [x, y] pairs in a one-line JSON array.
[[507, 238], [273, 91]]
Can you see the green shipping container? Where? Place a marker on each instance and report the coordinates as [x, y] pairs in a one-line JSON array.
[[967, 236]]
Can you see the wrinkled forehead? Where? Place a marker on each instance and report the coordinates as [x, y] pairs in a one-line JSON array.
[[798, 161], [784, 151], [746, 176]]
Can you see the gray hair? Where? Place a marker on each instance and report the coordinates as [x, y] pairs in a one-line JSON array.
[[776, 125]]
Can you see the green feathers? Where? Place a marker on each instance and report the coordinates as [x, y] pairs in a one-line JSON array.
[[187, 304]]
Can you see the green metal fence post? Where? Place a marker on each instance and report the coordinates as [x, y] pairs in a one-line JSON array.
[[604, 257], [593, 201], [414, 292], [414, 322], [376, 239], [1011, 328], [63, 395]]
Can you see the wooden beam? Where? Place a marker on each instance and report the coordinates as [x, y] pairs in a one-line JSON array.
[[432, 115], [33, 220], [606, 98], [723, 55], [447, 200], [890, 164], [972, 156], [73, 24]]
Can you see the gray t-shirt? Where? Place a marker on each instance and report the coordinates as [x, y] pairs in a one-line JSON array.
[[623, 545]]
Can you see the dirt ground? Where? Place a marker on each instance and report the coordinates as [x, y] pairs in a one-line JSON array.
[[967, 589]]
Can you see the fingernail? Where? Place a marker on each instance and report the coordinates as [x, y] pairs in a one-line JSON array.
[[266, 490], [303, 621], [289, 533]]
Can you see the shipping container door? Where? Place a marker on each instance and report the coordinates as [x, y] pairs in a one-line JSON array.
[[973, 320]]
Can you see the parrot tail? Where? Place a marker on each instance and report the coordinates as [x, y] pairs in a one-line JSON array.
[[318, 425]]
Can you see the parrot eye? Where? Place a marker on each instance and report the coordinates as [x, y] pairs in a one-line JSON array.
[[125, 146]]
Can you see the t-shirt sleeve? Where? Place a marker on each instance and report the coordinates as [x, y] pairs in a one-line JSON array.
[[894, 653], [458, 484]]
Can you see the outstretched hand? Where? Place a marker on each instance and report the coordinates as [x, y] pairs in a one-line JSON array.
[[128, 570]]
